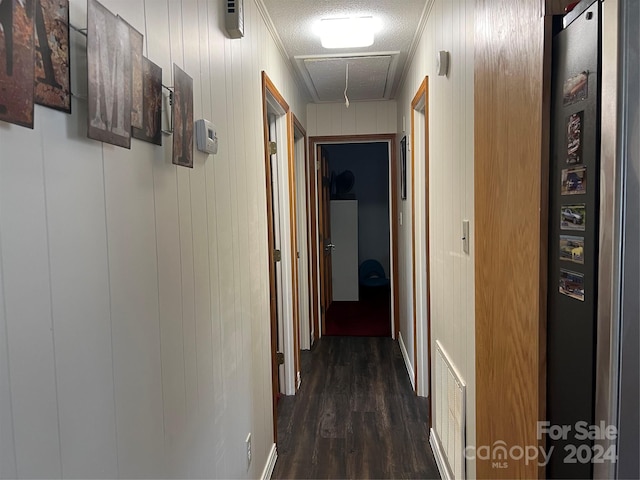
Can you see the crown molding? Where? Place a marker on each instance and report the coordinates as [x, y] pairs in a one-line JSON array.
[[304, 93], [426, 12]]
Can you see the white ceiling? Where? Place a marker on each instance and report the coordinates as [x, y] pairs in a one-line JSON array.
[[374, 72]]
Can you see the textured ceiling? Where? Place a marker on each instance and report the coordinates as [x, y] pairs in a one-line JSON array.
[[296, 21]]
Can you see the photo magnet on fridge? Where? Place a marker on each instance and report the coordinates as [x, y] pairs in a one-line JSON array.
[[575, 88], [572, 284], [574, 181], [574, 138], [573, 217], [572, 249]]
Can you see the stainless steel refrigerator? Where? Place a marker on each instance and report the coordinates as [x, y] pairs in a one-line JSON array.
[[594, 289]]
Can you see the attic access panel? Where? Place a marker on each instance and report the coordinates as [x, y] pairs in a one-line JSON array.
[[369, 77]]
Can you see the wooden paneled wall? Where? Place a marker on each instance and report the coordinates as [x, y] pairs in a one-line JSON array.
[[134, 300], [361, 118], [511, 155]]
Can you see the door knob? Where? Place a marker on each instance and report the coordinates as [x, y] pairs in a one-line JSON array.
[[329, 246]]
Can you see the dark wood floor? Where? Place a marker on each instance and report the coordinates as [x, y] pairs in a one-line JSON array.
[[355, 416]]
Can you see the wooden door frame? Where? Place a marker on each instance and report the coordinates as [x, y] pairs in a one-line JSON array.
[[312, 214], [421, 98], [269, 89]]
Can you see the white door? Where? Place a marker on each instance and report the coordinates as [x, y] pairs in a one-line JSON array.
[[344, 262]]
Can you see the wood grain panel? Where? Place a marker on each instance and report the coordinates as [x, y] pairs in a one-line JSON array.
[[511, 150]]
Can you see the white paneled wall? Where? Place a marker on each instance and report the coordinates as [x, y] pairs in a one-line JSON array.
[[134, 312], [359, 119], [449, 27]]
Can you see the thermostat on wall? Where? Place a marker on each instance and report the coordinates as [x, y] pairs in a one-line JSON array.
[[206, 138]]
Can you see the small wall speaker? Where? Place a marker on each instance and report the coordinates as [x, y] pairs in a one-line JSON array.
[[442, 63], [234, 18]]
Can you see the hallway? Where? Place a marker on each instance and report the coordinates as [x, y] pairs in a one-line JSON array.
[[355, 416]]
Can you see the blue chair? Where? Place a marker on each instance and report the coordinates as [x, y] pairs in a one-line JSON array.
[[371, 274]]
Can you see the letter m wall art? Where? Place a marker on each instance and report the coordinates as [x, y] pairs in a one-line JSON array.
[[109, 86]]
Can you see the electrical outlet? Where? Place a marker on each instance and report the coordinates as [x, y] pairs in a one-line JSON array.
[[248, 444]]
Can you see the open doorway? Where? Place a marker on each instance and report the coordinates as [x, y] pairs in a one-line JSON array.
[[421, 274], [356, 245], [360, 236]]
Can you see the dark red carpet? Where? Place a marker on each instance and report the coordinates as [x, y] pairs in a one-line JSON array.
[[370, 317]]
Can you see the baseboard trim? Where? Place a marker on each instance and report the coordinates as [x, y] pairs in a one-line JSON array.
[[441, 461], [407, 362], [271, 463]]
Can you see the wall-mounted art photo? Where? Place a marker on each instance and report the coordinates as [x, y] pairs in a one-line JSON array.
[[573, 217], [403, 172], [572, 284], [576, 88], [574, 138], [572, 249], [137, 44], [151, 130], [53, 76], [574, 181], [182, 118], [109, 76], [17, 52]]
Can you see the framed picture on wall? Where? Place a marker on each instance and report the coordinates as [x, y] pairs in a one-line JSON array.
[[182, 118], [109, 76], [53, 81], [151, 104], [403, 172], [17, 51]]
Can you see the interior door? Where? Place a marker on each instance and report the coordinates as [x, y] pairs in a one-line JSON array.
[[324, 225]]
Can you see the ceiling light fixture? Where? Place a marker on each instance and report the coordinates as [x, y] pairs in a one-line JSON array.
[[347, 32]]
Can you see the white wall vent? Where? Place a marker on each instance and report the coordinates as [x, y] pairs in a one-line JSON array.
[[450, 413], [234, 18]]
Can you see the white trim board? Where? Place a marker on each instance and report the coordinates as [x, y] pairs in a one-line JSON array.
[[271, 463], [443, 466], [407, 362]]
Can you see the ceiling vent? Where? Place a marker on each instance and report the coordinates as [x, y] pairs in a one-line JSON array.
[[234, 18]]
